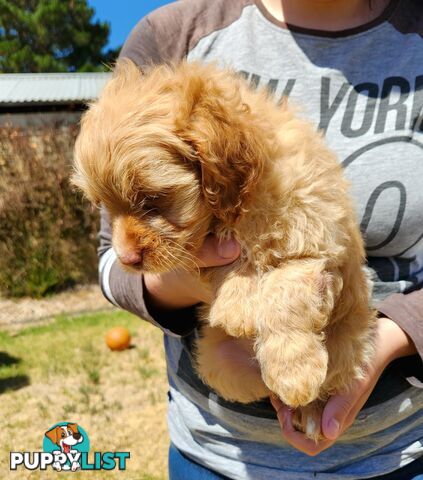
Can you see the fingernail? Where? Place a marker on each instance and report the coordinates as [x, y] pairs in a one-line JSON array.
[[227, 249], [333, 429]]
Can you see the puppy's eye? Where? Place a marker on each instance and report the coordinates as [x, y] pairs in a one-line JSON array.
[[150, 207], [150, 204]]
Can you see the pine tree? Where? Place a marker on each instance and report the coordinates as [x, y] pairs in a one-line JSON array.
[[52, 36]]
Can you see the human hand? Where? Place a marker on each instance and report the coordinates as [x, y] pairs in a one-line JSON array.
[[341, 409], [180, 288]]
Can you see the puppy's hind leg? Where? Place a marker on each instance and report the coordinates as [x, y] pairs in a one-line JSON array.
[[227, 365]]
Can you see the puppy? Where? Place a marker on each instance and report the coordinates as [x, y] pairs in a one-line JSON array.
[[65, 437], [183, 151]]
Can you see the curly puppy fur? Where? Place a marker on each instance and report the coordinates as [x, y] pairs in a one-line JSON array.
[[183, 151]]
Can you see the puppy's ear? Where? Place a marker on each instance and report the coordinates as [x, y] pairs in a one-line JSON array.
[[93, 168], [53, 435], [125, 72], [227, 144]]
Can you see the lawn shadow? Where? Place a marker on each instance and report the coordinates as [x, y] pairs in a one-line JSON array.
[[12, 382], [6, 359]]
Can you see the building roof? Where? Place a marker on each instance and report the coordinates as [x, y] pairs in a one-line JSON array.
[[26, 89]]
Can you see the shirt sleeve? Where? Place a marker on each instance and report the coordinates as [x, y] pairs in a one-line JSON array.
[[406, 310], [141, 46], [163, 36]]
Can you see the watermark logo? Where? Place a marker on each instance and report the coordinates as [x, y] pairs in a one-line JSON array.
[[66, 448], [66, 441]]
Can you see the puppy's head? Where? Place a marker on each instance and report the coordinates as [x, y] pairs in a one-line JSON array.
[[172, 154], [65, 436]]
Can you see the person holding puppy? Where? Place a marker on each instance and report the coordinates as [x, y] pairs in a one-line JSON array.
[[353, 66]]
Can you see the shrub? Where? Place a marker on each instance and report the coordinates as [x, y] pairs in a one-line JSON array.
[[47, 231]]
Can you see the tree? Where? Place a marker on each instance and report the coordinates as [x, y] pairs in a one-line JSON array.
[[52, 36]]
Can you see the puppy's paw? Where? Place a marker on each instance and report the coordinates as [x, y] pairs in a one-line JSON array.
[[234, 308], [308, 420], [235, 322], [239, 327], [293, 368], [297, 388]]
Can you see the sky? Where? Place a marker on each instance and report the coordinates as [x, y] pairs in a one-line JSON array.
[[123, 15]]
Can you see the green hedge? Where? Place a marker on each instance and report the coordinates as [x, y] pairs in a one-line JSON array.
[[47, 231]]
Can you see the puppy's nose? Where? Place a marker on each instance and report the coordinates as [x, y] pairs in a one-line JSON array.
[[131, 258], [76, 435]]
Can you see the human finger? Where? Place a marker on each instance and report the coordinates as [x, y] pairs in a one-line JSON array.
[[214, 253], [295, 438]]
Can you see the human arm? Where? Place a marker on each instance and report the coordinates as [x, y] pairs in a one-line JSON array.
[[406, 310]]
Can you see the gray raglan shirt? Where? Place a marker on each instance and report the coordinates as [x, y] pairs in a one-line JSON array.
[[363, 88]]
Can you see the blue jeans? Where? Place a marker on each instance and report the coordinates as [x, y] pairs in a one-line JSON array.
[[182, 468]]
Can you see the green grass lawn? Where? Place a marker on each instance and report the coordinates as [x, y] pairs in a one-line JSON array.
[[63, 371]]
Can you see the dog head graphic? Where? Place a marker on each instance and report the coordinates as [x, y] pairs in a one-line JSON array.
[[65, 436]]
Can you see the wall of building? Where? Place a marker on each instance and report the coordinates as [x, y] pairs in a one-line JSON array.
[[39, 119]]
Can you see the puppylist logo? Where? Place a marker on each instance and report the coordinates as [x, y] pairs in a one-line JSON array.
[[66, 448]]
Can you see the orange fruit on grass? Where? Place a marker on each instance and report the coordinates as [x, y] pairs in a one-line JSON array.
[[118, 338]]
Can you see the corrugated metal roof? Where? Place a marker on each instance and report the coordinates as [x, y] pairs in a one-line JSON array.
[[49, 88]]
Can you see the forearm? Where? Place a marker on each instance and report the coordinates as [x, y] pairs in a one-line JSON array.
[[400, 344], [407, 312], [167, 292]]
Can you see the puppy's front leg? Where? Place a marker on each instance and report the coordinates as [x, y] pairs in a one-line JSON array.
[[235, 302], [295, 305]]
